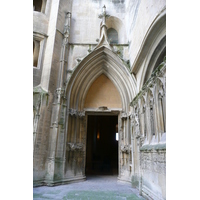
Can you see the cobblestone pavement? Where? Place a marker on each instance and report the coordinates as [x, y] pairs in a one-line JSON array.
[[94, 188]]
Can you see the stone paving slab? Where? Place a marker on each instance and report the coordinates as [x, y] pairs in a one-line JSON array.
[[94, 188]]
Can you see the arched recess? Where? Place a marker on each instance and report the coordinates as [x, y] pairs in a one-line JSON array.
[[112, 36], [117, 24], [101, 61], [153, 49]]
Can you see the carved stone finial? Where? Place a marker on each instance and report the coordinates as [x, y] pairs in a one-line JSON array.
[[103, 41], [67, 25], [103, 16]]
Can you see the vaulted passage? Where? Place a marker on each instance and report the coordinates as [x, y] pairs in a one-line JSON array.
[[102, 146]]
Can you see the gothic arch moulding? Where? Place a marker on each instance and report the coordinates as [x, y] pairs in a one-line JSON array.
[[153, 49], [100, 61]]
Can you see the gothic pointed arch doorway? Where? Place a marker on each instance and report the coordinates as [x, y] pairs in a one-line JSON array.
[[101, 85]]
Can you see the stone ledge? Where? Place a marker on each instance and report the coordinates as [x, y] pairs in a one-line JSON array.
[[64, 181], [149, 147]]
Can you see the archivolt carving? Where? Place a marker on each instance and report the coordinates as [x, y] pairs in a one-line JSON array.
[[81, 114], [73, 112], [75, 146]]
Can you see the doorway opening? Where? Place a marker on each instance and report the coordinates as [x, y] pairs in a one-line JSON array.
[[102, 145]]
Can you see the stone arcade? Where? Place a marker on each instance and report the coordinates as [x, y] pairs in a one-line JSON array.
[[99, 70]]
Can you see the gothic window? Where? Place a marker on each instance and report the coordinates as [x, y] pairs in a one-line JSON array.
[[112, 36]]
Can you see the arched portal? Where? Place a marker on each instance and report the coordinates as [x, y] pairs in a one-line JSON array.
[[102, 64]]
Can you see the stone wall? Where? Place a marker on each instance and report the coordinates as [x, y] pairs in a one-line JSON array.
[[149, 136]]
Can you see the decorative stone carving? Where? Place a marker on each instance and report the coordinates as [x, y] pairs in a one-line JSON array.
[[151, 102], [102, 108], [75, 146], [124, 115], [75, 113], [66, 31], [125, 149], [103, 16], [72, 112], [78, 60], [81, 114], [58, 94], [160, 94], [103, 41]]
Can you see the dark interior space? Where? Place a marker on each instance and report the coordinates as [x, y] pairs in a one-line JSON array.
[[37, 5], [102, 146]]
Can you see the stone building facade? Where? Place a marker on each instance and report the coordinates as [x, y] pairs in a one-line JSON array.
[[100, 58]]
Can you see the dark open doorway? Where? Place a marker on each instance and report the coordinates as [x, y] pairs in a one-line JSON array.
[[102, 146]]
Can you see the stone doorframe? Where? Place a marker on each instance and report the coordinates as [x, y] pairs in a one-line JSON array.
[[102, 112], [100, 61]]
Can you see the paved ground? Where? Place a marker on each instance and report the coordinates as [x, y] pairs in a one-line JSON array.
[[94, 188]]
